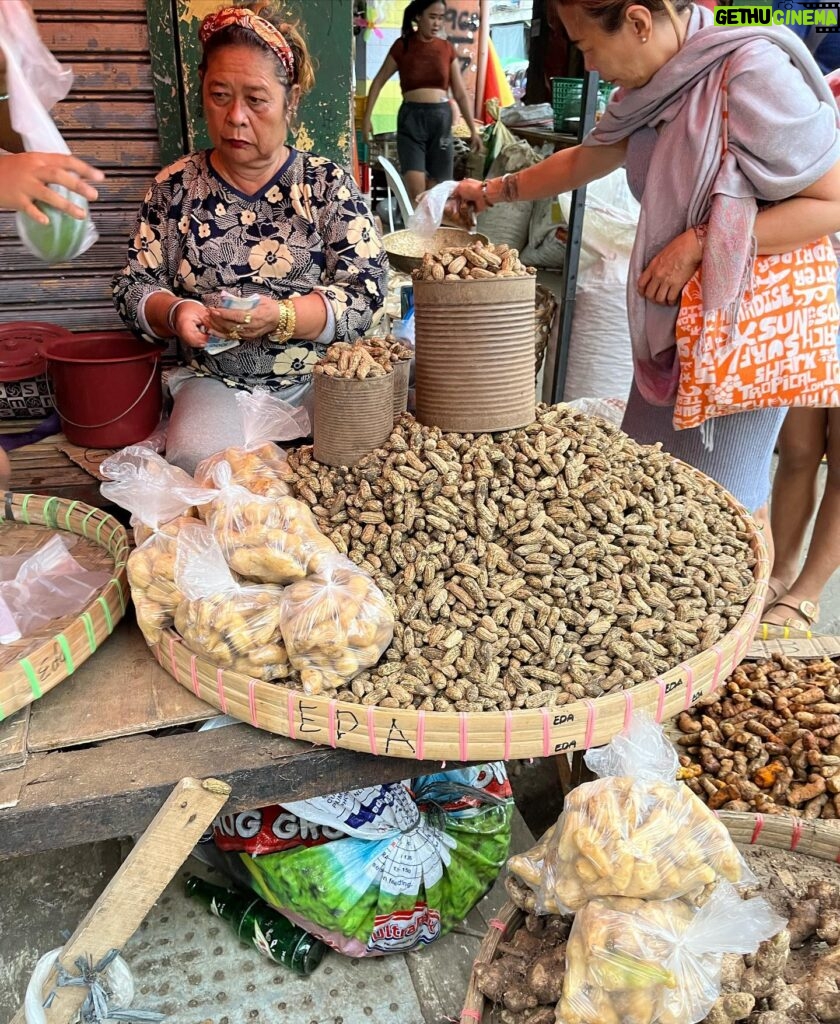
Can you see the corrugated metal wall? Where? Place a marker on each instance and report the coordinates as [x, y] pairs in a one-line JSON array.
[[108, 119]]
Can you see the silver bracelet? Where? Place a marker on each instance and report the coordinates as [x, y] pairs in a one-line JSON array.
[[171, 313], [3, 97]]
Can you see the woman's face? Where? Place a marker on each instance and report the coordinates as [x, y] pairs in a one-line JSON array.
[[245, 106], [625, 57], [431, 21]]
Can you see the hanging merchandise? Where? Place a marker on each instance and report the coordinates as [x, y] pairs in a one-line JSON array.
[[36, 82], [377, 870]]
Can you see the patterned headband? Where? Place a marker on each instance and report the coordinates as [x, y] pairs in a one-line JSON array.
[[270, 35]]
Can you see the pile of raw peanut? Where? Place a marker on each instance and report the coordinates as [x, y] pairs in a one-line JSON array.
[[771, 743], [354, 362], [475, 262], [534, 567]]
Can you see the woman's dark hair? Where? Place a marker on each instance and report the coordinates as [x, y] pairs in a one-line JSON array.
[[610, 13], [237, 35], [411, 14]]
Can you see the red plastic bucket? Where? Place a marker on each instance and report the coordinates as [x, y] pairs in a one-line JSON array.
[[106, 387]]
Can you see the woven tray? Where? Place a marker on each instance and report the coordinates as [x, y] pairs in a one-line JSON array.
[[36, 663], [812, 838], [465, 736]]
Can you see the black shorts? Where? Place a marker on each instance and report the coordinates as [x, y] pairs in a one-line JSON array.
[[424, 139]]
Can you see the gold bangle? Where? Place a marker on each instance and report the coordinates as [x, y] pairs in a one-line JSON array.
[[286, 322]]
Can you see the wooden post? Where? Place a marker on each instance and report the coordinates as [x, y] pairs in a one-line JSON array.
[[136, 887]]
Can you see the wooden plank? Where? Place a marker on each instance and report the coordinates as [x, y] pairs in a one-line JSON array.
[[13, 733], [95, 35], [117, 76], [11, 784], [94, 114], [120, 691], [81, 318], [441, 972], [137, 886], [46, 10], [113, 789], [163, 42]]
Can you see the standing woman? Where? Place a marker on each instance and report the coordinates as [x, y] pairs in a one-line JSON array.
[[429, 70], [774, 189]]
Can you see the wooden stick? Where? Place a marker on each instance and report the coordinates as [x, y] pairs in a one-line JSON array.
[[136, 887]]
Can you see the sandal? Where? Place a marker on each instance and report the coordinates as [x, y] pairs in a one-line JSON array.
[[776, 590], [808, 612]]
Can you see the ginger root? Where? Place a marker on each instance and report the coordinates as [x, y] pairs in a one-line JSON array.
[[731, 1007]]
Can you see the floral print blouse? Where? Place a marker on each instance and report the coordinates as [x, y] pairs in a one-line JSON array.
[[309, 229]]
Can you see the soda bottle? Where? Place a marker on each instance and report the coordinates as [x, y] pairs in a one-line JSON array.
[[254, 921]]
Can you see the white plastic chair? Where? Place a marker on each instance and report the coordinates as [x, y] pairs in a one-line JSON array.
[[395, 182]]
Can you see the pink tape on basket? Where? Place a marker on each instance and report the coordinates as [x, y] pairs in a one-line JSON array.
[[628, 711], [371, 728], [660, 700], [421, 733], [290, 711], [546, 717], [689, 686], [252, 702], [196, 682], [795, 834], [172, 661], [494, 922], [591, 719], [220, 690], [463, 736], [718, 668], [508, 734], [471, 1014], [759, 825], [331, 722]]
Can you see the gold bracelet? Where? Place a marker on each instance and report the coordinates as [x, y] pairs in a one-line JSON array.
[[286, 322]]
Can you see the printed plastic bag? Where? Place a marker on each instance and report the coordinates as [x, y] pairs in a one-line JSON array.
[[36, 82], [260, 465], [267, 540], [236, 626], [655, 962], [377, 870], [635, 832], [335, 623], [153, 490], [48, 584]]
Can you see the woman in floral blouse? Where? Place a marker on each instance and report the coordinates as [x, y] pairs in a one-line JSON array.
[[251, 216]]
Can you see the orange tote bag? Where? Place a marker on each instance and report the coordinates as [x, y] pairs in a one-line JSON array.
[[784, 351]]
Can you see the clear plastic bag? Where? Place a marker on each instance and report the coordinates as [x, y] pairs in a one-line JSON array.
[[260, 465], [47, 585], [635, 832], [335, 623], [236, 626], [36, 82], [267, 540], [151, 576], [654, 962], [145, 484], [428, 214]]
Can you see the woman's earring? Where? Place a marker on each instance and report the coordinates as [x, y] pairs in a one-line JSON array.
[[644, 39]]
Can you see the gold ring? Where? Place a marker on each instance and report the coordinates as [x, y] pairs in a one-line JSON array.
[[234, 335], [247, 318]]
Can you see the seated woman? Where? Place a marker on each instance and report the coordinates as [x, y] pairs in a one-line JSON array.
[[251, 216]]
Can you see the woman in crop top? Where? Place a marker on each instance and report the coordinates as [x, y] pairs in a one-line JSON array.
[[429, 71]]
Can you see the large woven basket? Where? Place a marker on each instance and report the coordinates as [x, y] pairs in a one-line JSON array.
[[813, 838], [35, 664], [464, 736]]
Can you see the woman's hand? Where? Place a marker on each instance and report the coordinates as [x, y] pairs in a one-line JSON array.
[[664, 278], [26, 177], [249, 324], [190, 323]]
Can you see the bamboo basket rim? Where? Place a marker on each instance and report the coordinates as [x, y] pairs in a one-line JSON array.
[[53, 660], [469, 736], [774, 832]]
